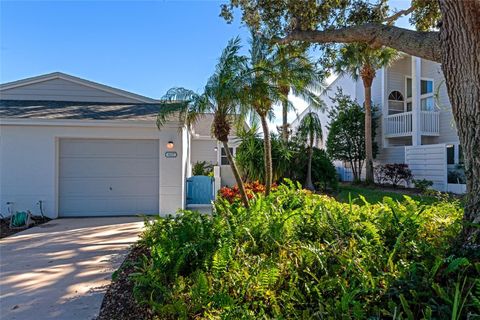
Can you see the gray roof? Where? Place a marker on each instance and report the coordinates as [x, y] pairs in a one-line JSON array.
[[23, 109]]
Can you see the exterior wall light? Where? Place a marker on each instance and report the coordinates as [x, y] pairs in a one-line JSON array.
[[170, 145], [215, 149]]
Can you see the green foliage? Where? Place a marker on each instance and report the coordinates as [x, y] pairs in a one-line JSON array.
[[202, 168], [297, 255], [290, 160], [346, 136], [353, 58], [277, 17], [374, 194], [250, 156], [422, 184], [324, 175], [310, 128]]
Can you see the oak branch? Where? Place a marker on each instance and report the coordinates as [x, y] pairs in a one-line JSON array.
[[421, 44]]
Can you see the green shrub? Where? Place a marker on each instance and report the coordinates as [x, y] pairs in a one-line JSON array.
[[289, 160], [297, 255], [324, 175], [422, 184], [202, 168]]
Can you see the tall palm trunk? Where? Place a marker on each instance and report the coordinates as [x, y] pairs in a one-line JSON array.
[[267, 147], [236, 174], [284, 92], [368, 73], [309, 184]]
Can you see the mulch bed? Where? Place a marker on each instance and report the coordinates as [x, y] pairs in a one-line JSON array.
[[5, 230], [119, 303]]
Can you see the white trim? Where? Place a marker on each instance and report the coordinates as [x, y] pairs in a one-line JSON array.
[[56, 182], [77, 80]]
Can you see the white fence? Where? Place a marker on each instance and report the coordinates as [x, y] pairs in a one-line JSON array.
[[428, 162]]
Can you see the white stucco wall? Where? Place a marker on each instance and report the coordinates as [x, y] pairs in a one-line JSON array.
[[29, 160], [204, 150]]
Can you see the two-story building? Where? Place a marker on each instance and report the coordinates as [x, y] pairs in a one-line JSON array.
[[415, 121]]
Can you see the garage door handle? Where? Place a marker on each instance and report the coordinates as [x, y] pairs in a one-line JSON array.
[[110, 188]]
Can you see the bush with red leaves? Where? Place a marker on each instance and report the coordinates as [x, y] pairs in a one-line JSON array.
[[233, 194]]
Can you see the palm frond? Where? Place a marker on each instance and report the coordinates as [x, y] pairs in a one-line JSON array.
[[310, 127], [184, 103]]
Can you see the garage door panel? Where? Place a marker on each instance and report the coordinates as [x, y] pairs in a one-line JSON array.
[[142, 205], [104, 167], [98, 148], [138, 186], [108, 177]]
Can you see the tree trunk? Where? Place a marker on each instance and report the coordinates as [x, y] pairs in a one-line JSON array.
[[284, 91], [236, 174], [460, 48], [367, 75], [309, 184], [417, 43], [285, 120], [267, 148]]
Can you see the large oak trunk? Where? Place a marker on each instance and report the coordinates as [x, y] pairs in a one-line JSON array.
[[460, 44]]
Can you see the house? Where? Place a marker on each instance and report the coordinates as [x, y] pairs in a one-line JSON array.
[[415, 121], [80, 148]]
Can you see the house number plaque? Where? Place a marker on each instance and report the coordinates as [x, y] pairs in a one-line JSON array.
[[170, 154]]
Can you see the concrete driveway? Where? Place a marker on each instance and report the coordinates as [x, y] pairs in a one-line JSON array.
[[61, 270]]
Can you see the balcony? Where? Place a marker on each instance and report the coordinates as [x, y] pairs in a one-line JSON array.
[[400, 124]]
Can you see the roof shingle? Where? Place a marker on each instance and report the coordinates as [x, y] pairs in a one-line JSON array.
[[23, 109]]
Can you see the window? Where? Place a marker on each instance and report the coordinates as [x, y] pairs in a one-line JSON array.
[[450, 154], [455, 166], [426, 95], [395, 102], [426, 86], [409, 87], [223, 159], [409, 106], [427, 102], [395, 96]]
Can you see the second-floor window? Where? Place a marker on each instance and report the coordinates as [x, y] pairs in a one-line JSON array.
[[426, 95], [427, 102]]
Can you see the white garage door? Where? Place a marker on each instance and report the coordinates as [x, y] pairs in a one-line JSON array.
[[100, 177]]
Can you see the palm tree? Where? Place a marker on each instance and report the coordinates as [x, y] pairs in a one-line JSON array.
[[259, 94], [310, 130], [294, 70], [221, 96], [361, 60]]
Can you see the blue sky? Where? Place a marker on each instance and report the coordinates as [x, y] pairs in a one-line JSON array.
[[145, 47]]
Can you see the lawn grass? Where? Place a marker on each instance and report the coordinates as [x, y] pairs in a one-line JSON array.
[[375, 195]]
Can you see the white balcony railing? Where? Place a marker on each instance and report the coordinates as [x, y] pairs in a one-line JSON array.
[[430, 123], [398, 125]]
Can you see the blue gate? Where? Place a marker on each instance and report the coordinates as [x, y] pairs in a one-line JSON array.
[[200, 190]]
